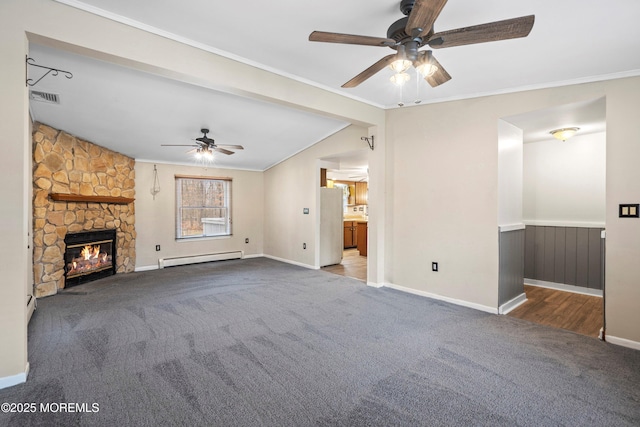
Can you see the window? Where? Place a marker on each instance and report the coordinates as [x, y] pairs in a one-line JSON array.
[[203, 207]]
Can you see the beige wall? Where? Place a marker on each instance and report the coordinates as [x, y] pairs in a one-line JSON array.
[[156, 219], [294, 185], [15, 225], [445, 187]]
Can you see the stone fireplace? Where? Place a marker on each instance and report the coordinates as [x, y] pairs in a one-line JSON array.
[[78, 187]]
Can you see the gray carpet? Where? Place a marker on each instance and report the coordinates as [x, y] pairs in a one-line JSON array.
[[258, 342]]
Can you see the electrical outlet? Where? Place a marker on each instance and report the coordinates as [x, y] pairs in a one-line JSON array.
[[434, 266], [246, 240], [157, 248], [304, 246]]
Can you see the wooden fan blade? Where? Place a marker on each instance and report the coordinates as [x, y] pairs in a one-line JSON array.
[[235, 147], [223, 151], [321, 36], [493, 31], [370, 71], [440, 76], [422, 16]]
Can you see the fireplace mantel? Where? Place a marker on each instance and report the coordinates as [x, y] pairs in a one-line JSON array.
[[63, 197]]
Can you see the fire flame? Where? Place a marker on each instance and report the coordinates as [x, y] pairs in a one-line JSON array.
[[89, 252]]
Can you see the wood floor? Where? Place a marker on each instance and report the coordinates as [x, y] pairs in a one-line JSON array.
[[352, 265], [579, 313]]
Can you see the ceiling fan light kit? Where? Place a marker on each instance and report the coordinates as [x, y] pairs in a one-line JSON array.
[[407, 35]]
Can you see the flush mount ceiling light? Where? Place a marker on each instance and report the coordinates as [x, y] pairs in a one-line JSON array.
[[564, 133]]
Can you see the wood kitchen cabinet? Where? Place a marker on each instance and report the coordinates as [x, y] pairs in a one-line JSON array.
[[350, 234], [361, 193], [362, 229], [358, 192]]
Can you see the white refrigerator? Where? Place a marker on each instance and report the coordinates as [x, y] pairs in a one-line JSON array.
[[331, 226]]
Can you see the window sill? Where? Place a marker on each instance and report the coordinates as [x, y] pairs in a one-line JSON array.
[[200, 238]]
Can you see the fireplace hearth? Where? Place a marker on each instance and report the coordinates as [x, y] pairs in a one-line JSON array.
[[89, 256]]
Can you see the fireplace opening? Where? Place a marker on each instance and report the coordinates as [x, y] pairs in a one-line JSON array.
[[89, 256]]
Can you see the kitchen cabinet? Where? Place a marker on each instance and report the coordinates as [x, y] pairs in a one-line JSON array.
[[350, 234], [358, 192], [361, 193], [362, 230]]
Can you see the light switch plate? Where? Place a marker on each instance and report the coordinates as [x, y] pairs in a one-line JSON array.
[[629, 211]]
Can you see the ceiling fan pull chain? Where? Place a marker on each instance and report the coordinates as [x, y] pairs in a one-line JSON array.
[[418, 100]]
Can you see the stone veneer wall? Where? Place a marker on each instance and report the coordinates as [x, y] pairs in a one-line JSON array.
[[63, 163]]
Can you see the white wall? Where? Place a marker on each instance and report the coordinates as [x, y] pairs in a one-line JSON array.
[[156, 219], [510, 165], [564, 182]]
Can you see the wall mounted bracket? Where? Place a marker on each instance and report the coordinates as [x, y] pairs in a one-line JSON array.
[[369, 141], [52, 71]]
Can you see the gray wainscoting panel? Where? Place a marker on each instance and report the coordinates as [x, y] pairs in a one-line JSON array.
[[511, 275], [566, 255], [571, 256], [560, 256]]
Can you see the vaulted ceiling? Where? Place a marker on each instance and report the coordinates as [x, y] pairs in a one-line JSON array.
[[572, 41]]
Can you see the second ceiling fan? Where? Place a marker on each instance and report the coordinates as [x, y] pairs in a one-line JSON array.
[[205, 146], [415, 30]]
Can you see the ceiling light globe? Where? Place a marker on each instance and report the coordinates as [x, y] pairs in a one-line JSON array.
[[426, 69], [400, 65], [399, 79]]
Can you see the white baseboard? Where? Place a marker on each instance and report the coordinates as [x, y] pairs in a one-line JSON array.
[[288, 261], [563, 287], [15, 379], [147, 268], [376, 285], [463, 303], [254, 256], [512, 304], [623, 342]]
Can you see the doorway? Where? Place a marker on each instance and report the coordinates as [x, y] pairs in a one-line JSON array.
[[348, 174], [562, 217]]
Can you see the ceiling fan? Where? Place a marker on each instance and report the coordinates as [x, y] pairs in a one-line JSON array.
[[205, 146], [415, 30]]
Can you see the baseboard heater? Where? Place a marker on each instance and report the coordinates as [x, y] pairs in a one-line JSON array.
[[194, 259]]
